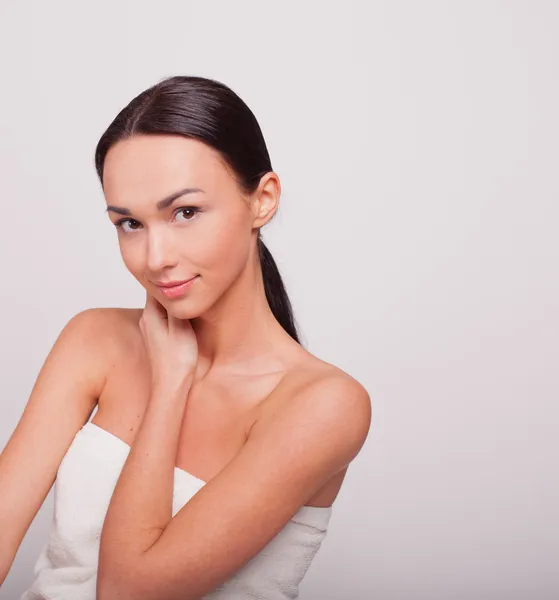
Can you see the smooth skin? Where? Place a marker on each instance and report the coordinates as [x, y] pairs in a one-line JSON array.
[[266, 424]]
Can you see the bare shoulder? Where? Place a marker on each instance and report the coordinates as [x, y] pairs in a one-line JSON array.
[[110, 331], [324, 394], [324, 411], [315, 377], [122, 318], [108, 326], [118, 325]]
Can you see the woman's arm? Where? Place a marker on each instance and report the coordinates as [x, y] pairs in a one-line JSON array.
[[62, 399], [287, 458], [141, 504]]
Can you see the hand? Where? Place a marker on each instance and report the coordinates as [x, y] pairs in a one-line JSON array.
[[170, 343]]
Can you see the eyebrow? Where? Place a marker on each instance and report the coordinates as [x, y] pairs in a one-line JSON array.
[[161, 205]]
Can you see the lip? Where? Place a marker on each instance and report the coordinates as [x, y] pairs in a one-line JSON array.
[[175, 291], [168, 284]]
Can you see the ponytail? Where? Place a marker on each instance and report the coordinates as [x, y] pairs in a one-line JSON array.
[[275, 291]]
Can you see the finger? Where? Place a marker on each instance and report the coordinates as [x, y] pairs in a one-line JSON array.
[[154, 309], [175, 323]]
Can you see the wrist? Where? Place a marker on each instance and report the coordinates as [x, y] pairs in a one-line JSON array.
[[171, 388]]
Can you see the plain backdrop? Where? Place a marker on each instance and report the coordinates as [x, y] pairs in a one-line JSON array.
[[417, 144]]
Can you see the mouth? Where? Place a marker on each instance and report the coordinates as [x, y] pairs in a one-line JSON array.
[[174, 289]]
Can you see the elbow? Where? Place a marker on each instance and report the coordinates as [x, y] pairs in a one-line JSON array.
[[124, 583], [110, 588], [117, 588], [137, 581], [113, 582], [105, 590]]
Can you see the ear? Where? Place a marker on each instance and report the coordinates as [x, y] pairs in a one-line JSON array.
[[265, 200]]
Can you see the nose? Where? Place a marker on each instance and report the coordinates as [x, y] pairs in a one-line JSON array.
[[161, 250]]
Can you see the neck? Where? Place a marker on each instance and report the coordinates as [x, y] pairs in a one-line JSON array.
[[240, 334]]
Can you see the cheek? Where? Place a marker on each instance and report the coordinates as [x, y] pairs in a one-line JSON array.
[[223, 254], [130, 259]]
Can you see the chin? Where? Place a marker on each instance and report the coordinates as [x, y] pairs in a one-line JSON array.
[[180, 312]]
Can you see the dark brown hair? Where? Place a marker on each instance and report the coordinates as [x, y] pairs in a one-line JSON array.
[[209, 111]]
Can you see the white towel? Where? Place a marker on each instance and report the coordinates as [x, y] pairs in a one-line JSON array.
[[67, 565]]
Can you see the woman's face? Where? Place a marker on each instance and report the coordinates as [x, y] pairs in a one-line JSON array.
[[204, 233]]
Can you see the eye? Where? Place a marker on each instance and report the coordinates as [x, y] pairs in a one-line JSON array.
[[119, 224], [183, 209], [192, 209]]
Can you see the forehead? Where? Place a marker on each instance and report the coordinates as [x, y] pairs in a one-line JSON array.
[[148, 166]]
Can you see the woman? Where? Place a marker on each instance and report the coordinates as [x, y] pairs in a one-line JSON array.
[[219, 443]]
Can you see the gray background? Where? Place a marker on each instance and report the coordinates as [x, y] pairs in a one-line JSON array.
[[417, 144]]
